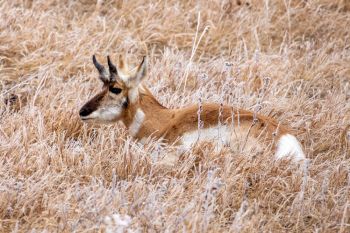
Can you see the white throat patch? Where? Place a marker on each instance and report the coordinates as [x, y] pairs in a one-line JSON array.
[[133, 94], [137, 122]]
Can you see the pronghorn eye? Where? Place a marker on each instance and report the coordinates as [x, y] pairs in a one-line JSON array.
[[115, 90]]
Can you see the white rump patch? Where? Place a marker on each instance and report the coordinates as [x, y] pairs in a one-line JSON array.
[[288, 145], [137, 122]]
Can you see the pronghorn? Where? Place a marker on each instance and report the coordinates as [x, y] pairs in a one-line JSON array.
[[124, 98]]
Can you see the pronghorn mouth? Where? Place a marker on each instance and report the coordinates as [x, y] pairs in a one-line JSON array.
[[86, 118]]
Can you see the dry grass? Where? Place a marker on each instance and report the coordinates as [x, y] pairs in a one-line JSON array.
[[291, 59]]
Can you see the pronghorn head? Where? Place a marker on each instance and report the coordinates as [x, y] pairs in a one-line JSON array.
[[119, 90]]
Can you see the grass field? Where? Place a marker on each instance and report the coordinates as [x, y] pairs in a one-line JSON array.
[[285, 58]]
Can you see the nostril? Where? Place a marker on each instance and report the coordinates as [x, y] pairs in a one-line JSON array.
[[84, 112]]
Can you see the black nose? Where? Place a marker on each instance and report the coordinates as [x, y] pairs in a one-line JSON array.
[[84, 112]]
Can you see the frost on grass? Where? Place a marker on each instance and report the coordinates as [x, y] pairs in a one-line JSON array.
[[118, 223], [286, 59]]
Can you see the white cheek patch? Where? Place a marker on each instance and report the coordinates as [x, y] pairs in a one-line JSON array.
[[107, 114], [137, 122]]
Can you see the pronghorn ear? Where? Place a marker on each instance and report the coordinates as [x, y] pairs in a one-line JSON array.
[[121, 64], [101, 70], [139, 74]]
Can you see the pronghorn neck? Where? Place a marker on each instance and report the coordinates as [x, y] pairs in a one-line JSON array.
[[145, 116]]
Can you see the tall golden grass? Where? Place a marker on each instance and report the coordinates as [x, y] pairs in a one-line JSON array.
[[286, 58]]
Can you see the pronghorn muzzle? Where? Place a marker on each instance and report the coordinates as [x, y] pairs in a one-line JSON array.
[[91, 106]]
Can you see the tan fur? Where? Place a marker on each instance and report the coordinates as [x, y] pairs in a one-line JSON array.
[[170, 124], [146, 118]]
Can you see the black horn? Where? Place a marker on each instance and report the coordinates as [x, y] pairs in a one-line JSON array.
[[112, 67], [101, 70], [98, 66]]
